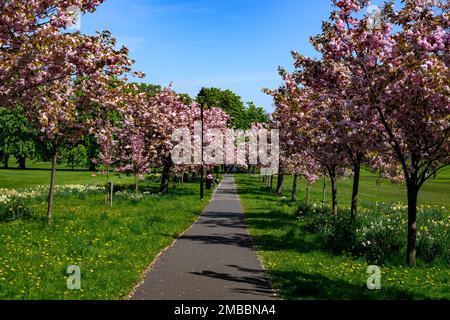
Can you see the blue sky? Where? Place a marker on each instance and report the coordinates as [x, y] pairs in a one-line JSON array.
[[231, 44]]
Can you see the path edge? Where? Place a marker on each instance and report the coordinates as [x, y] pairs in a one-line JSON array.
[[158, 256], [254, 246]]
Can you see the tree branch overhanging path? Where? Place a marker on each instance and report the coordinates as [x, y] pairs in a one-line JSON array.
[[213, 260]]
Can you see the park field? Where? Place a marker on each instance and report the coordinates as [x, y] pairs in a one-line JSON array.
[[112, 246], [434, 192], [299, 265]]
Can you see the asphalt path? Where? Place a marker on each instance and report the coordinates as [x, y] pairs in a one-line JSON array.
[[213, 260]]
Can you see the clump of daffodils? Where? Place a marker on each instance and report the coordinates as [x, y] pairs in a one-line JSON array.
[[9, 195]]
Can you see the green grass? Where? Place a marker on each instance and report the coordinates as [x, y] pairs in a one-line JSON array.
[[38, 173], [40, 165], [301, 269], [112, 246], [434, 192], [21, 179]]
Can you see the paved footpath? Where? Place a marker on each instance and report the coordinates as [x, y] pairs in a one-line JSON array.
[[213, 260]]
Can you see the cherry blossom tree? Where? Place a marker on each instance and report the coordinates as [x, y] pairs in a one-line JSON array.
[[61, 80], [403, 76], [381, 93], [31, 44], [307, 113]]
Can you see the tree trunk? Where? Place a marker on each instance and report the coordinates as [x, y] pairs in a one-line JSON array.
[[111, 194], [308, 194], [174, 181], [280, 181], [217, 169], [271, 182], [334, 202], [164, 189], [72, 164], [413, 193], [324, 188], [356, 178], [5, 161], [92, 166], [136, 184], [22, 162], [294, 188], [52, 189]]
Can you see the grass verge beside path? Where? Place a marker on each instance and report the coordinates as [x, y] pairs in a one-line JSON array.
[[112, 246], [301, 269]]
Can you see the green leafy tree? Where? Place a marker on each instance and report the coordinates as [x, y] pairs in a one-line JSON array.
[[241, 117], [226, 100], [185, 98], [16, 137], [76, 157], [92, 151], [255, 114], [150, 89]]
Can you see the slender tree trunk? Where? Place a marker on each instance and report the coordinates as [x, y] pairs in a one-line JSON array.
[[356, 178], [324, 188], [22, 162], [308, 194], [271, 182], [92, 166], [136, 184], [52, 189], [413, 193], [111, 194], [174, 181], [294, 188], [280, 181], [5, 161], [107, 200], [164, 189], [217, 169], [334, 202]]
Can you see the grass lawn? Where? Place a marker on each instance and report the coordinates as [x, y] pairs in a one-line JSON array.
[[22, 179], [301, 269], [38, 173], [112, 246], [434, 192]]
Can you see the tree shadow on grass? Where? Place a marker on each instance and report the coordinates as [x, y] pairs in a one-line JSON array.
[[299, 285]]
